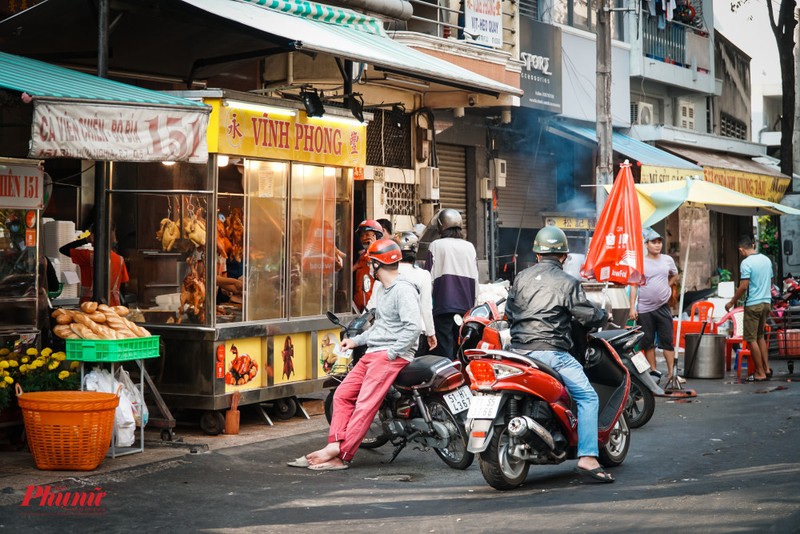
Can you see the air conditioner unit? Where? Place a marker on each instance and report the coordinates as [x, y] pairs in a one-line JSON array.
[[429, 183], [644, 114], [497, 171]]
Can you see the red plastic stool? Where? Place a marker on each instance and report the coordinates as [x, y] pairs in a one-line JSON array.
[[741, 354]]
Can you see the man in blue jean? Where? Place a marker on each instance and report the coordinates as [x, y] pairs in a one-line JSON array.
[[541, 304]]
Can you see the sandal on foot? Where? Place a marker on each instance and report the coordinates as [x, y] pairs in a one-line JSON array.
[[598, 473], [299, 462], [769, 372]]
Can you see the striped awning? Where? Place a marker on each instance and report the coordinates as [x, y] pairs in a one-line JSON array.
[[77, 115], [350, 35]]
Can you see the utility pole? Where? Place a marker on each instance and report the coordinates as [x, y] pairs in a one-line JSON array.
[[604, 172], [100, 268]]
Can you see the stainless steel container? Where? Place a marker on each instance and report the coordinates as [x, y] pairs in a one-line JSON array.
[[705, 356]]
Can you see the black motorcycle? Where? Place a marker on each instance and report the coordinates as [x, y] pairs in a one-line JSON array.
[[641, 402], [426, 404]]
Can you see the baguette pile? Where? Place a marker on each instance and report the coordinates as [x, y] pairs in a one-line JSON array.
[[96, 321]]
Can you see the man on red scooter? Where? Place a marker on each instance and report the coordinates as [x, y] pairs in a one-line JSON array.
[[540, 306]]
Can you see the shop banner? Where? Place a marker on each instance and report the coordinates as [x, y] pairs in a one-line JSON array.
[[483, 22], [108, 132], [652, 174], [21, 186], [287, 134], [761, 186], [571, 223], [540, 53]]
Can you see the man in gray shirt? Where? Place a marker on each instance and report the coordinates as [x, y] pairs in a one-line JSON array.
[[653, 311], [391, 342]]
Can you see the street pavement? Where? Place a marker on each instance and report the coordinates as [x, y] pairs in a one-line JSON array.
[[725, 461]]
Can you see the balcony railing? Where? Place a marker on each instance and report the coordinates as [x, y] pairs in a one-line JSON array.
[[667, 45], [436, 17]]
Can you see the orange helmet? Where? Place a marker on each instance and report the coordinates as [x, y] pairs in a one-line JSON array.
[[369, 225], [384, 251]]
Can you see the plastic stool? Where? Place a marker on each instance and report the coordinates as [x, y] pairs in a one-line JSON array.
[[742, 354]]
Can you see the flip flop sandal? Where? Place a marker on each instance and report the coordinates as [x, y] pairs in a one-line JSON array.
[[328, 467], [299, 462], [598, 473]]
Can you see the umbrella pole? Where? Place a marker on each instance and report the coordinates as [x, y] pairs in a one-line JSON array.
[[674, 387]]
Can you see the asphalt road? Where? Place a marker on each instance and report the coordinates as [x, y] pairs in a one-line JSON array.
[[727, 461]]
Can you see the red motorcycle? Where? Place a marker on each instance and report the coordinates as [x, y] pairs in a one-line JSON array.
[[522, 413]]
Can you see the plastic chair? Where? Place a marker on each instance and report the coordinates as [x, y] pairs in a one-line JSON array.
[[704, 310], [736, 316]]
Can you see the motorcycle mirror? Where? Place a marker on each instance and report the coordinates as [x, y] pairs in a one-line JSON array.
[[458, 319], [332, 318], [788, 247]]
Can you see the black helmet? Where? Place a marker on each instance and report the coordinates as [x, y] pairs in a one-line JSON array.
[[550, 240]]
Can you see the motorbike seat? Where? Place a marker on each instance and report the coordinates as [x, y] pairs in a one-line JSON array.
[[549, 370], [421, 370]]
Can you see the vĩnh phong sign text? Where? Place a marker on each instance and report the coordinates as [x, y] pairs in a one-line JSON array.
[[285, 134]]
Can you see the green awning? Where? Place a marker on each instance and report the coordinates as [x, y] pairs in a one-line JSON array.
[[43, 80], [77, 115], [350, 35]]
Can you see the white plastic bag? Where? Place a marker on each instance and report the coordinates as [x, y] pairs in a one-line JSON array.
[[124, 423], [140, 412]]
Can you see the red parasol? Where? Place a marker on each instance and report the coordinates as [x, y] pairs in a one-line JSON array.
[[616, 253]]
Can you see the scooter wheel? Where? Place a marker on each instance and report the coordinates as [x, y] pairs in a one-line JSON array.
[[501, 470], [641, 404], [614, 452]]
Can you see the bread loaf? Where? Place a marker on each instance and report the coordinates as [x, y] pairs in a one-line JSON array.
[[98, 317], [63, 331], [103, 307], [83, 331], [105, 332], [122, 311], [64, 318], [89, 307], [57, 312], [125, 333]]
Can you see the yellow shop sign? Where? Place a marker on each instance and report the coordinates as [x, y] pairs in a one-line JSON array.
[[286, 134], [761, 186]]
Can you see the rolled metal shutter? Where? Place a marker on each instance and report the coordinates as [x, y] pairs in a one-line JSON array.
[[530, 189], [453, 178]]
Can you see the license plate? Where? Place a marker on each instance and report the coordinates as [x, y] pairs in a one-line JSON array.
[[484, 407], [458, 400], [640, 362]]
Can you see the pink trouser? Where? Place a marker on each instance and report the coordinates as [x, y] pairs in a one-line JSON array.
[[358, 398]]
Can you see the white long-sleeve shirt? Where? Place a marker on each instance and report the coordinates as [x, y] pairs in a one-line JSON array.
[[422, 280]]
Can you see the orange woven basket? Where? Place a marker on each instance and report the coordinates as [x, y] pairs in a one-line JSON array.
[[68, 430]]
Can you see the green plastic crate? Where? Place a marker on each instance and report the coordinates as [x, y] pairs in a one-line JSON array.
[[112, 350]]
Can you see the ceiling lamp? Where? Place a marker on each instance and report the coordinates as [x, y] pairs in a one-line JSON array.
[[312, 103], [356, 104]]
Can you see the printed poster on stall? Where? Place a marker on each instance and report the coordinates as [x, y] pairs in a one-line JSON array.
[[243, 364], [483, 22], [331, 360], [291, 358]]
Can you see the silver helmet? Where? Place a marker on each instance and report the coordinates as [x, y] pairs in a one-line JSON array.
[[446, 219], [409, 242]]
